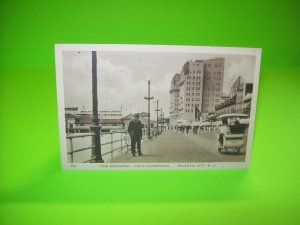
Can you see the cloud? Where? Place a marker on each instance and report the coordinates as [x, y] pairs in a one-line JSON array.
[[113, 75], [77, 78], [119, 87]]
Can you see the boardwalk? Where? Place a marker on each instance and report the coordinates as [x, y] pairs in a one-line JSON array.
[[176, 147]]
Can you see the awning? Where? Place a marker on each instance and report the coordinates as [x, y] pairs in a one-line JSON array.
[[244, 121], [206, 123], [182, 123], [247, 105], [217, 123], [196, 124], [232, 115], [248, 96]]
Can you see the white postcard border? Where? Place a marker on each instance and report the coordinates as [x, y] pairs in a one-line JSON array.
[[60, 48]]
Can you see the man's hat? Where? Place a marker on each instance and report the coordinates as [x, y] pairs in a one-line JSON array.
[[136, 115]]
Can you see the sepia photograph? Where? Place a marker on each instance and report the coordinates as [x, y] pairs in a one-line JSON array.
[[153, 107]]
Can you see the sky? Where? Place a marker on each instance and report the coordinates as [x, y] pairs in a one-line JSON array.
[[123, 78]]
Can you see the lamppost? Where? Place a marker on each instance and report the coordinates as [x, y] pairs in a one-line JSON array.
[[161, 114], [95, 128], [157, 110], [149, 99], [163, 120]]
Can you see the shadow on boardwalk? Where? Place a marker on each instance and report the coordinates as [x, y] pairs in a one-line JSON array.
[[172, 147]]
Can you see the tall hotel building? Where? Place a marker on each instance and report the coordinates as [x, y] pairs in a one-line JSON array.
[[197, 89], [174, 91]]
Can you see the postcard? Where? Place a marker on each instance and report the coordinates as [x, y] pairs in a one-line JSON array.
[[156, 107]]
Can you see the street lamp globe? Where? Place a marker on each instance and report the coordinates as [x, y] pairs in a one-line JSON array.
[[149, 79]]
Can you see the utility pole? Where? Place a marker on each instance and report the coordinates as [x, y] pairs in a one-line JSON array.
[[157, 110], [161, 120], [96, 129], [149, 99]]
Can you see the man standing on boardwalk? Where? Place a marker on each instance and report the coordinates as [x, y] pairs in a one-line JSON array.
[[135, 132]]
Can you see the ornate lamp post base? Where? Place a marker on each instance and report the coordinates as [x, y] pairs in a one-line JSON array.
[[96, 142]]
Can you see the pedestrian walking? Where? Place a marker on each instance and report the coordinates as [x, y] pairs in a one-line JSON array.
[[135, 132], [187, 129]]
